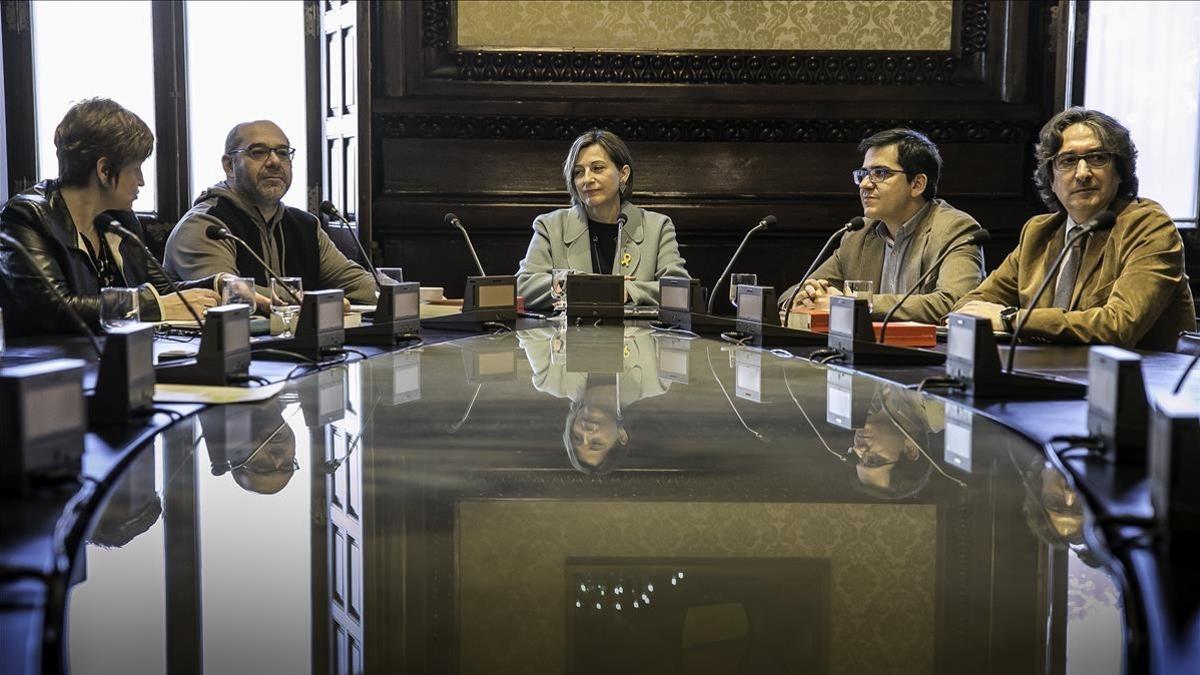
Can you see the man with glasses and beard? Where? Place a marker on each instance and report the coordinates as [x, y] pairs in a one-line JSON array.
[[907, 228], [258, 172], [1124, 286]]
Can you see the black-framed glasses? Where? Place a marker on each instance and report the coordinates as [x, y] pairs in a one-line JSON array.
[[877, 174], [259, 152], [869, 459], [1069, 160]]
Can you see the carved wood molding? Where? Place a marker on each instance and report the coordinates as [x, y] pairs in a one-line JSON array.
[[721, 67], [397, 125]]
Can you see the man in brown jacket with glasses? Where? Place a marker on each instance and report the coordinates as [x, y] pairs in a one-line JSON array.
[[1124, 286]]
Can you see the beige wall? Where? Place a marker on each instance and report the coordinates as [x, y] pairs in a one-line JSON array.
[[512, 560], [731, 24]]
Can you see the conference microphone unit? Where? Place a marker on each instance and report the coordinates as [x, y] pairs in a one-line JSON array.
[[1102, 221], [488, 301], [125, 379], [223, 358], [330, 210], [397, 311], [977, 238], [762, 225], [320, 329], [856, 223]]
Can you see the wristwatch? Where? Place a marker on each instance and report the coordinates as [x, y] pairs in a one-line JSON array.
[[1006, 318]]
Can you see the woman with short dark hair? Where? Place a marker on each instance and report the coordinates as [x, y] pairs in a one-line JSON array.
[[101, 147], [588, 236]]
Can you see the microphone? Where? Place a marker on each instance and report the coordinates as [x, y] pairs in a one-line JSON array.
[[1103, 221], [621, 220], [33, 266], [762, 225], [856, 223], [106, 224], [218, 233], [976, 237], [330, 210], [453, 220]]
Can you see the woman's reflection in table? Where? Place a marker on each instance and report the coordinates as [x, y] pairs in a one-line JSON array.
[[597, 432]]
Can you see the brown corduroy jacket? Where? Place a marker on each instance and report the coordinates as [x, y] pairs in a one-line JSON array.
[[1131, 291]]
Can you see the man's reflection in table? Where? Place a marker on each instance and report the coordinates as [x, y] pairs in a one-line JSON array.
[[596, 432], [890, 452], [254, 444], [1053, 511]]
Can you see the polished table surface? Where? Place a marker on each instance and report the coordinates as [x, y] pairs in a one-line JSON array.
[[428, 511]]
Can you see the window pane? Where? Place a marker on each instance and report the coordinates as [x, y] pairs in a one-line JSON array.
[[1143, 67], [245, 62], [87, 49]]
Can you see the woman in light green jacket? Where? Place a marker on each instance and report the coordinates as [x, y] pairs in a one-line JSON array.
[[588, 236]]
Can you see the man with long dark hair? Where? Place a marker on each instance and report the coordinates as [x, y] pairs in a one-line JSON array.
[[1125, 286]]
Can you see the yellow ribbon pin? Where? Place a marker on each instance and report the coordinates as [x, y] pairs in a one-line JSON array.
[[626, 258], [626, 351]]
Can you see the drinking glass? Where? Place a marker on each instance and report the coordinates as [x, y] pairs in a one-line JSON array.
[[238, 291], [285, 301], [736, 280], [118, 307], [860, 289], [558, 287], [390, 276]]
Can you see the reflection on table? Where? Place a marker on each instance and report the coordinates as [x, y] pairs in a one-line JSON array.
[[718, 509]]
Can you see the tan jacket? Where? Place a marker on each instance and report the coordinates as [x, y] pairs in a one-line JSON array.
[[647, 251], [1131, 291], [860, 256]]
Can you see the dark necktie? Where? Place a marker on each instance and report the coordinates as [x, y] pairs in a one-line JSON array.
[[1070, 270]]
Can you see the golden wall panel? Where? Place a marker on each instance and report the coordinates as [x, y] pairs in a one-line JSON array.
[[689, 25], [512, 558]]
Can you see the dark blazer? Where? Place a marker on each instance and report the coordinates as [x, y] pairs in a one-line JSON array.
[[860, 256], [1131, 291], [39, 219]]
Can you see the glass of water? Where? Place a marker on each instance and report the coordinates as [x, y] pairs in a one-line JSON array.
[[118, 307], [238, 291], [390, 276], [558, 287], [736, 280], [860, 289], [285, 302]]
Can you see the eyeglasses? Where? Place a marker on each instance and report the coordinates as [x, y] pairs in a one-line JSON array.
[[1068, 160], [869, 459], [878, 174], [259, 152]]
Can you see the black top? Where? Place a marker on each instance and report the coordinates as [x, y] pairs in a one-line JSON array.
[[603, 238]]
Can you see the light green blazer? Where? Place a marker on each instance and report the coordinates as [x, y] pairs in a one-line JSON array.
[[646, 251]]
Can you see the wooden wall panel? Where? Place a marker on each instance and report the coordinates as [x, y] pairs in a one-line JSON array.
[[719, 139]]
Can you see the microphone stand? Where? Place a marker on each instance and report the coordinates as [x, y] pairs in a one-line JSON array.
[[762, 224], [114, 226], [332, 211], [980, 237], [215, 232], [1050, 274], [453, 220], [855, 224]]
